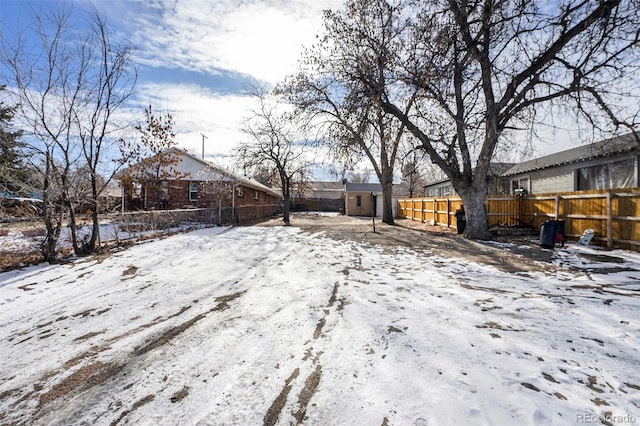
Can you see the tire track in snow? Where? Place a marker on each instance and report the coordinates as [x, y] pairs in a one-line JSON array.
[[96, 373], [312, 380]]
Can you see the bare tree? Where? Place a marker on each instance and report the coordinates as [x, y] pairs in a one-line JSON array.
[[274, 141], [110, 82], [355, 54], [68, 89], [153, 161], [411, 168], [482, 70]]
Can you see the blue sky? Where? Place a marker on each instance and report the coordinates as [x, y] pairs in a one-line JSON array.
[[196, 57]]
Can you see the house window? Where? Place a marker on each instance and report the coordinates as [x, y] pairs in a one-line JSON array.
[[358, 200], [256, 195], [193, 191], [521, 184], [619, 174], [240, 191], [444, 191], [164, 190]]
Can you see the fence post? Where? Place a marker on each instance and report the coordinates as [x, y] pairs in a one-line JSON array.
[[557, 209], [435, 219], [421, 210], [448, 216], [519, 208], [609, 219]]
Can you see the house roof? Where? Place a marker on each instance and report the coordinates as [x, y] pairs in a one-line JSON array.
[[495, 169], [376, 188], [325, 186], [112, 190], [606, 148], [203, 170], [245, 181]]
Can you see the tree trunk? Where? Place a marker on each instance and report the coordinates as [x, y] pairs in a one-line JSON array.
[[476, 215], [50, 243], [287, 207], [48, 246], [73, 230], [95, 230], [387, 203]]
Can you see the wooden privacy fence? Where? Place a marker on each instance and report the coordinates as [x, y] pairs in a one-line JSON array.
[[614, 215]]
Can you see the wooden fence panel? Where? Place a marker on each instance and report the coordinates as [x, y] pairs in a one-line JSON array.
[[626, 214], [613, 215], [502, 210]]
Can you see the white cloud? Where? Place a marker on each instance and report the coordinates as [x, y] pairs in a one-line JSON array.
[[196, 112], [261, 38]]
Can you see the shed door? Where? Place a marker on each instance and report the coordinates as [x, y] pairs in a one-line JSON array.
[[379, 199]]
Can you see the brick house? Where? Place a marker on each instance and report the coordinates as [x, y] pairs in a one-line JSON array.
[[185, 181]]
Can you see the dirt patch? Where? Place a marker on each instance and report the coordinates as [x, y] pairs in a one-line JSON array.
[[318, 331], [495, 326], [334, 293], [444, 242], [180, 395], [131, 270], [89, 335], [170, 334], [530, 386], [13, 260], [310, 386], [271, 418], [602, 258], [135, 406], [167, 336], [84, 378], [223, 301]]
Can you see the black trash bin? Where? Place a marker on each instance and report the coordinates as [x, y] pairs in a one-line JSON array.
[[461, 221], [548, 232]]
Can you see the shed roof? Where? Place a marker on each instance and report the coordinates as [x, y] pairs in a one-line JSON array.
[[606, 148], [362, 187]]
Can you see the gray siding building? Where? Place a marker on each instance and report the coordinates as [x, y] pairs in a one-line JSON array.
[[608, 164], [497, 183]]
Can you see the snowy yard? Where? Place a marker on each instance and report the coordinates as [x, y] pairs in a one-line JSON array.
[[278, 325]]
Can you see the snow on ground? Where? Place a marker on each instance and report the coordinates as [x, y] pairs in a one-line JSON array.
[[272, 325], [15, 241]]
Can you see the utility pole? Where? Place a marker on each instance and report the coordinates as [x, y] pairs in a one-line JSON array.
[[203, 138]]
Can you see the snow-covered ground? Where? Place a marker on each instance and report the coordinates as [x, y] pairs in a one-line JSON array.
[[272, 325], [15, 240]]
